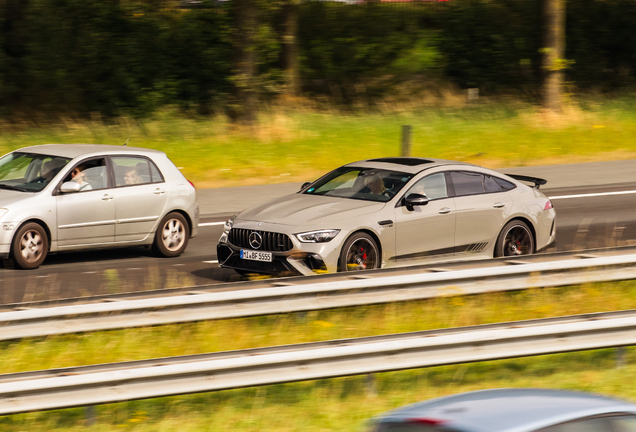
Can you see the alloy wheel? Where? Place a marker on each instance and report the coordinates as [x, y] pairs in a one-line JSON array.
[[173, 234], [361, 255], [518, 241]]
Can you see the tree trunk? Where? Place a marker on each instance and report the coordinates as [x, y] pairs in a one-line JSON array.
[[290, 47], [243, 106], [553, 53]]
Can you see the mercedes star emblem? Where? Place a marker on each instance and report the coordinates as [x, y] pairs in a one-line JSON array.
[[255, 240]]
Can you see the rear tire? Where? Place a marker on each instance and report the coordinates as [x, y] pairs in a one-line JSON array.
[[359, 252], [172, 235], [29, 246], [515, 239]]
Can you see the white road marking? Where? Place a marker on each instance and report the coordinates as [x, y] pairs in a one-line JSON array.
[[88, 272], [211, 224], [211, 262], [593, 195]]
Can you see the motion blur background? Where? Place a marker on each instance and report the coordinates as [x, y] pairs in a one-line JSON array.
[[132, 57]]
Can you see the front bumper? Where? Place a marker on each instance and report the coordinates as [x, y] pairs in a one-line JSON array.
[[293, 262]]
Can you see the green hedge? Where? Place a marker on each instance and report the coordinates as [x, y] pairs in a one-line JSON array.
[[133, 56]]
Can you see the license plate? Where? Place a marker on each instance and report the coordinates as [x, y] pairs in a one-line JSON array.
[[257, 256]]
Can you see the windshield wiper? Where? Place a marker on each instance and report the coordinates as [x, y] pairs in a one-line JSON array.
[[15, 188]]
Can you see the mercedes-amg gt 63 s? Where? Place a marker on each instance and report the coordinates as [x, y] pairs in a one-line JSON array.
[[391, 212]]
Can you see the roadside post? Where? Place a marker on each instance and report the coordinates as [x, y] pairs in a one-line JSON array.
[[406, 140]]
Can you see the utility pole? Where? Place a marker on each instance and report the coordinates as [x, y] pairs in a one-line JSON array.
[[553, 54]]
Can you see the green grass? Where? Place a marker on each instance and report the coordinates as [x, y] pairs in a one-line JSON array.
[[301, 144], [339, 404], [211, 336]]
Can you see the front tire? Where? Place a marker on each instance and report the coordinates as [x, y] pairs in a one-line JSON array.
[[515, 239], [359, 252], [172, 235], [30, 246]]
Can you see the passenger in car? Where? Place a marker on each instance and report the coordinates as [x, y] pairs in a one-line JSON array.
[[132, 177], [79, 176], [49, 170]]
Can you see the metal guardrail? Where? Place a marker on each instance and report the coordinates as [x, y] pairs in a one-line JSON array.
[[79, 386], [363, 289]]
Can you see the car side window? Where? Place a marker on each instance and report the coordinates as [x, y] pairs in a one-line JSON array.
[[505, 184], [155, 174], [595, 424], [131, 170], [467, 182], [626, 423], [495, 184], [433, 186], [91, 175]]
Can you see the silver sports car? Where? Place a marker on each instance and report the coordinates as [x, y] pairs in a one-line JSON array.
[[74, 197], [390, 212]]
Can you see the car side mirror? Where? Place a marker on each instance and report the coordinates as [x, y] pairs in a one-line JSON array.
[[413, 200], [305, 185], [70, 187]]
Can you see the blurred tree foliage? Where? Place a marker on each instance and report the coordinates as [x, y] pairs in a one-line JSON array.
[[133, 56]]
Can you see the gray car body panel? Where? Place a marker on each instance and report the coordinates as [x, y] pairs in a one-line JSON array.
[[42, 206], [508, 410], [299, 213]]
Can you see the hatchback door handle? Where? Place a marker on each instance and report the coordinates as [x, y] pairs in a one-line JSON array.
[[499, 205], [444, 210], [107, 197], [159, 191]]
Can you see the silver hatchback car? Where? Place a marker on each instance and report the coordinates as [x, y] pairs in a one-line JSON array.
[[61, 197]]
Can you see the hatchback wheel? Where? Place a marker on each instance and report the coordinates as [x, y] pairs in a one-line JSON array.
[[30, 246], [515, 239], [172, 235], [360, 252]]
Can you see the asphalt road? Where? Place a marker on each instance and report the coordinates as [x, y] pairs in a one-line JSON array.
[[583, 222]]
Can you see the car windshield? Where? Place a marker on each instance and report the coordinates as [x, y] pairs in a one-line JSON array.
[[369, 184], [29, 172]]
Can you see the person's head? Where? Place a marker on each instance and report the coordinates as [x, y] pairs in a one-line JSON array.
[[132, 177], [51, 168], [375, 184], [78, 175]]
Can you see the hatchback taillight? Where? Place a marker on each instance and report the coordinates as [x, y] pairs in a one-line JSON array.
[[191, 184], [548, 205]]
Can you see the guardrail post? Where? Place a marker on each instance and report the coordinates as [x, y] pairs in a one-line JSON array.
[[89, 413], [406, 140], [620, 357], [369, 383]]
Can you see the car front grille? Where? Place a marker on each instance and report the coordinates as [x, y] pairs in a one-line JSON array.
[[273, 242]]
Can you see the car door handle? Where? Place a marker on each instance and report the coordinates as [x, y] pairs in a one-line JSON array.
[[107, 197], [159, 191], [444, 210], [499, 205]]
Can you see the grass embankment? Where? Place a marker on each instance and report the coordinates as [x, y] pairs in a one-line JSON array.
[[339, 404], [303, 144]]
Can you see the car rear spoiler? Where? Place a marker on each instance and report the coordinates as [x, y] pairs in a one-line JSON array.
[[537, 181]]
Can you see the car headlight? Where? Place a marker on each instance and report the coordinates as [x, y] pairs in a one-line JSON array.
[[227, 227], [321, 236], [229, 224], [3, 211]]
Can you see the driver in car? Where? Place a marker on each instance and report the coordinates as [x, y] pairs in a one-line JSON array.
[[375, 184]]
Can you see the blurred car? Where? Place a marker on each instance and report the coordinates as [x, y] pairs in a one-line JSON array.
[[60, 197], [390, 212], [512, 410]]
